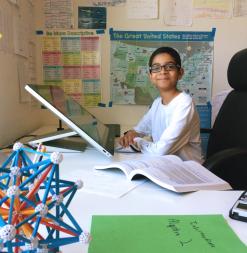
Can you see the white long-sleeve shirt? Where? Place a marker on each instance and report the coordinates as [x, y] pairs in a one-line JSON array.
[[174, 128]]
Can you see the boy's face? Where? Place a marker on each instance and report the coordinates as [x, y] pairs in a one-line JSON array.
[[166, 79]]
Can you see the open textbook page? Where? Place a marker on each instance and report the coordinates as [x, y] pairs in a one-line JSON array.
[[171, 173]]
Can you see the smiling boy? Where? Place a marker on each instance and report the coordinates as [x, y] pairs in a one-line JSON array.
[[172, 122]]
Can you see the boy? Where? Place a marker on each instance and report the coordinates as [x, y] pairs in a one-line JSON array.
[[172, 121]]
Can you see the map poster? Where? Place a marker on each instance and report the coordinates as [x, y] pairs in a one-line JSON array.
[[130, 52]]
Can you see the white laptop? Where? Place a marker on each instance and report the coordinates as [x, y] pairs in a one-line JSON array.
[[76, 117]]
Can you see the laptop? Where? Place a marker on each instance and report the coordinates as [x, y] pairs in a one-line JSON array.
[[76, 117]]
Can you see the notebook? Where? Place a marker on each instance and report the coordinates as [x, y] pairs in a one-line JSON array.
[[79, 120]]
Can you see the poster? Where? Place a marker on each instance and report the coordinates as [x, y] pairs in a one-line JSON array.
[[74, 63], [58, 14], [92, 18], [130, 52]]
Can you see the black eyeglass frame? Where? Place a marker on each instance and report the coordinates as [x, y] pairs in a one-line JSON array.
[[163, 66]]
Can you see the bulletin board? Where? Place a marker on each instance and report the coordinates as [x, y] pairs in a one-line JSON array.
[[124, 82]]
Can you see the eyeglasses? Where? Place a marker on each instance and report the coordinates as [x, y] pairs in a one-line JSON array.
[[155, 68]]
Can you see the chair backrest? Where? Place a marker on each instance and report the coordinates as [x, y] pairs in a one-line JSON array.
[[230, 127]]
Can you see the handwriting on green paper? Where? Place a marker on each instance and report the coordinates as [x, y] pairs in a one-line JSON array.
[[173, 224], [196, 227], [176, 228]]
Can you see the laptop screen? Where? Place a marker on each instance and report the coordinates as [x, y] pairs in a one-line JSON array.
[[74, 115]]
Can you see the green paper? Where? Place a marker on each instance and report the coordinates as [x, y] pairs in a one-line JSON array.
[[163, 233]]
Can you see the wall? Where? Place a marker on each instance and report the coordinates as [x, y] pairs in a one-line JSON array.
[[16, 119], [230, 37]]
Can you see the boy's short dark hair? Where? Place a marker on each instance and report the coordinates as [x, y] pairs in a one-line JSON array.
[[168, 50]]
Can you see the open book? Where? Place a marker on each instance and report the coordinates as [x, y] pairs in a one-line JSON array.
[[171, 173]]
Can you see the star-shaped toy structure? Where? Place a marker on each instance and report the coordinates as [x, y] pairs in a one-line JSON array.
[[34, 204]]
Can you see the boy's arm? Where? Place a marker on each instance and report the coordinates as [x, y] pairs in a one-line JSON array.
[[128, 138], [144, 126], [176, 135], [141, 129]]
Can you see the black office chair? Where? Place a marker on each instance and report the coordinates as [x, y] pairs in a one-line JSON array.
[[227, 146]]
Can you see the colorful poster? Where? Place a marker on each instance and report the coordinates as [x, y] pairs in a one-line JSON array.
[[130, 52], [91, 17], [73, 62]]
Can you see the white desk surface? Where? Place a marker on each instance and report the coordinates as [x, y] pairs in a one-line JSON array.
[[145, 199]]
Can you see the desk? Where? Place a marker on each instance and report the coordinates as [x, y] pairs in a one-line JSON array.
[[145, 199]]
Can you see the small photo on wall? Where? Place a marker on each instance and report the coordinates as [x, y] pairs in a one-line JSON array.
[[91, 17]]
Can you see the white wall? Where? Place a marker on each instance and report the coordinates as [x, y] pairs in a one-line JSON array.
[[16, 119], [230, 37]]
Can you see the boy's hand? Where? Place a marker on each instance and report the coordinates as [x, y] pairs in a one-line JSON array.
[[128, 138]]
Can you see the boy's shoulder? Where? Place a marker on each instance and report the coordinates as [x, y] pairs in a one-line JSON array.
[[156, 101], [185, 97], [182, 98]]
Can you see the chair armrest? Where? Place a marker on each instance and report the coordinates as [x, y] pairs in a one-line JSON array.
[[205, 130], [223, 156]]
